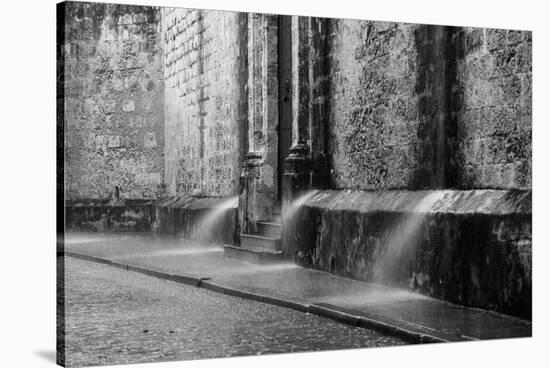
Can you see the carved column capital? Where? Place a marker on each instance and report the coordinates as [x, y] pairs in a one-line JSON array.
[[252, 160], [298, 159]]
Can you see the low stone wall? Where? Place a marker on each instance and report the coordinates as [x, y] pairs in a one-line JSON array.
[[207, 219], [105, 215], [468, 247]]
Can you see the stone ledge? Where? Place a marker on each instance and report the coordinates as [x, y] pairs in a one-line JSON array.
[[486, 201], [181, 216], [90, 202], [108, 215], [194, 202], [470, 247]]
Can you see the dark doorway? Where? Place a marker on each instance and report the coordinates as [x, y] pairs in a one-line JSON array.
[[284, 53]]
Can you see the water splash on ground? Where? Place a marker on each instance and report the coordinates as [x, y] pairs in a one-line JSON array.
[[95, 238], [203, 249], [376, 294], [279, 267]]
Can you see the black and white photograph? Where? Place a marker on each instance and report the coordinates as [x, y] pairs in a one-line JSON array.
[[262, 183], [246, 183]]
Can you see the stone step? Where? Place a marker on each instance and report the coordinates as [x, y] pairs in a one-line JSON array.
[[257, 256], [271, 229], [256, 241], [276, 218], [276, 213]]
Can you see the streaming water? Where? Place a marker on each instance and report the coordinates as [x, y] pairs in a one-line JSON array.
[[212, 218], [290, 210], [403, 237]]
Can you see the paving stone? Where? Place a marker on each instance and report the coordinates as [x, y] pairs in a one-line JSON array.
[[115, 316]]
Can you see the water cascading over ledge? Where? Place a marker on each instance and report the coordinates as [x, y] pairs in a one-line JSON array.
[[468, 247], [208, 219]]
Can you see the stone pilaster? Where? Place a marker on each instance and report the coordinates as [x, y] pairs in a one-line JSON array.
[[248, 188], [259, 174], [296, 181], [306, 167], [310, 79], [300, 80]]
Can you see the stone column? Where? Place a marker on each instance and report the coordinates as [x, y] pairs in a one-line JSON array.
[[296, 177], [307, 164], [249, 179], [300, 27], [259, 173], [297, 171], [306, 167], [319, 79]]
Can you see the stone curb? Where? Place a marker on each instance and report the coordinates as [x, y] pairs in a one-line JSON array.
[[322, 311]]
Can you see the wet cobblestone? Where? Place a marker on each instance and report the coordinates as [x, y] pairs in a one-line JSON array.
[[119, 317]]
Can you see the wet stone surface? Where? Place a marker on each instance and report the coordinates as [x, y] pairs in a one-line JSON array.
[[289, 281], [118, 317]]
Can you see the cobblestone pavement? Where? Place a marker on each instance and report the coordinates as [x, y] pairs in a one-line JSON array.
[[397, 307], [119, 317]]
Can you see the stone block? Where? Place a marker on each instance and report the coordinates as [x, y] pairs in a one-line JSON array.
[[114, 142], [474, 39], [149, 140], [496, 38]]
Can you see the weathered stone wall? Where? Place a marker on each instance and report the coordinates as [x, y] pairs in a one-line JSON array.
[[373, 113], [114, 125], [417, 107], [493, 108], [205, 104], [107, 215]]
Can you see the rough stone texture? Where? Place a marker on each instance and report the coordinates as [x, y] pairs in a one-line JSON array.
[[205, 109], [113, 77], [301, 96], [101, 215], [319, 86], [493, 108], [259, 189], [382, 105], [373, 113], [469, 247], [414, 106], [166, 102]]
